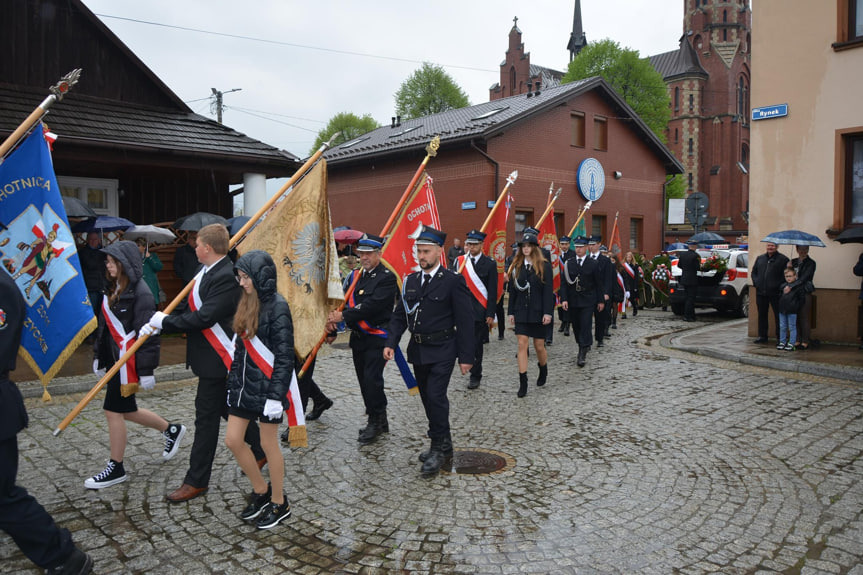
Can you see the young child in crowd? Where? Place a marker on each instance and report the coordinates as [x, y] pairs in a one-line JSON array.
[[790, 302], [258, 384], [127, 305]]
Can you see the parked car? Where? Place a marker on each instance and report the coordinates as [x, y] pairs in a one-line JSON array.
[[730, 294]]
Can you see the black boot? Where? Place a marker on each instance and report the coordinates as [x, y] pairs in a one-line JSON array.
[[522, 384], [435, 458], [582, 356], [562, 327], [566, 329], [377, 424], [446, 447], [543, 374], [319, 408]]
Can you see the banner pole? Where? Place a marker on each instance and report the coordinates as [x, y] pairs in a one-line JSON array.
[[431, 151], [510, 180], [580, 217], [304, 169]]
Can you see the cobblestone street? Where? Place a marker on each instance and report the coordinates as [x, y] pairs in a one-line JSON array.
[[648, 460]]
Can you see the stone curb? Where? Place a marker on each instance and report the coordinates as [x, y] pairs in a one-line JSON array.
[[82, 383]]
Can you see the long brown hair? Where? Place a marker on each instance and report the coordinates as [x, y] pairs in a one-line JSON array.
[[117, 285], [538, 261], [248, 312]]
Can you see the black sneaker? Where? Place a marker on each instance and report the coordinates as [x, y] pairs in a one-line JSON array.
[[257, 503], [274, 514], [173, 436], [78, 563], [111, 475]]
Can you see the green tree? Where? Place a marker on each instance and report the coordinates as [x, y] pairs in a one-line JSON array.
[[349, 125], [631, 76], [427, 91], [674, 187]]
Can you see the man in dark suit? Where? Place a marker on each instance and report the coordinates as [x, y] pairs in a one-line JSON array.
[[602, 317], [768, 274], [21, 516], [208, 323], [436, 308], [581, 294], [480, 274], [689, 264], [563, 315], [367, 313]]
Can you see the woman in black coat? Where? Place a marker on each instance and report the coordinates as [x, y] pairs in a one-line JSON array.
[[531, 303], [126, 306], [805, 268], [258, 383]]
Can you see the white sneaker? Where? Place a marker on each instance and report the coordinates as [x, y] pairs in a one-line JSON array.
[[173, 436]]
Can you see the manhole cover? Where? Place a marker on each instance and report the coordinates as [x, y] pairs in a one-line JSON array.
[[478, 462]]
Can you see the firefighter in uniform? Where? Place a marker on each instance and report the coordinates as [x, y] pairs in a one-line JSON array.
[[581, 294], [436, 308]]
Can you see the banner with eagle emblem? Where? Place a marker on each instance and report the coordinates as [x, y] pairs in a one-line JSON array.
[[298, 234], [38, 252]]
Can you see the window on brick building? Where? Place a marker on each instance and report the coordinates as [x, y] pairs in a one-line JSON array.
[[512, 81], [676, 136], [597, 225], [600, 133], [691, 146], [691, 102], [523, 219], [743, 99], [676, 99], [690, 180], [853, 192], [635, 232], [577, 129]]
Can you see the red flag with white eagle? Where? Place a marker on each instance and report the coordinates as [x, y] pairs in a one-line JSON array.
[[495, 242], [399, 253]]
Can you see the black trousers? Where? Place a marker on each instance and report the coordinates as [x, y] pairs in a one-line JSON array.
[[210, 409], [500, 313], [308, 387], [369, 365], [25, 520], [763, 301], [480, 333], [581, 318], [433, 381], [602, 320], [689, 293]]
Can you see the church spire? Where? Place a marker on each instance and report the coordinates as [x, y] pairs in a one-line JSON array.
[[577, 39]]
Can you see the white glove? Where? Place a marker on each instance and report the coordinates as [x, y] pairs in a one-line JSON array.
[[148, 330], [273, 409], [156, 320], [148, 381], [100, 373]]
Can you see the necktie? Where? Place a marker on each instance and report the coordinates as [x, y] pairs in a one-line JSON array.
[[527, 267], [580, 261], [426, 280], [473, 261]]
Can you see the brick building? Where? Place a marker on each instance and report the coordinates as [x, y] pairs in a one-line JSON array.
[[708, 81], [544, 134]]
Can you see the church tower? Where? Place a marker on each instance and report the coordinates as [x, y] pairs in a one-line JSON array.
[[577, 39], [708, 81], [517, 74]]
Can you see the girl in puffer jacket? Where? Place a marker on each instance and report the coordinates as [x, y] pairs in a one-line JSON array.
[[258, 383]]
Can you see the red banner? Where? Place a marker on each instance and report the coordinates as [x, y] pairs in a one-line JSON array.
[[495, 242], [399, 253], [548, 240]]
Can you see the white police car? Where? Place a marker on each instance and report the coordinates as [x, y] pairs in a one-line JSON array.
[[729, 294]]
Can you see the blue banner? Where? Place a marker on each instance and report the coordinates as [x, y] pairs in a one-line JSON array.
[[38, 251]]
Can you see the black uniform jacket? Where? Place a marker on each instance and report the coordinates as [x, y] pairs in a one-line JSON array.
[[374, 296], [486, 269], [580, 286], [443, 308], [219, 292], [689, 264], [248, 387], [529, 305], [607, 274], [13, 310]]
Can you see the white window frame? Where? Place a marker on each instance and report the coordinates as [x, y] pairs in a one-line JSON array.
[[110, 186]]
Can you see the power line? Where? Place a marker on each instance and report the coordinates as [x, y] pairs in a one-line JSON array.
[[275, 114], [271, 119], [292, 45]]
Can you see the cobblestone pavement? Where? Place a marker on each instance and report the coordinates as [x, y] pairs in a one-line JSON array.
[[648, 460]]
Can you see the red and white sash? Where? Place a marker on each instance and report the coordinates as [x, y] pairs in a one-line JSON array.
[[264, 358], [629, 270], [474, 282], [128, 372], [215, 335], [621, 307]]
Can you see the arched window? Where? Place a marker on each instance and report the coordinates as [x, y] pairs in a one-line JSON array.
[[744, 156], [512, 81], [676, 98], [676, 136], [691, 146], [691, 102], [725, 16], [725, 34], [743, 99]]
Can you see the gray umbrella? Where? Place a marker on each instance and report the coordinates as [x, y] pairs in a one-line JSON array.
[[707, 238], [76, 208], [196, 221]]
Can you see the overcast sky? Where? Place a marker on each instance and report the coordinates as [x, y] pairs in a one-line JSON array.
[[315, 59]]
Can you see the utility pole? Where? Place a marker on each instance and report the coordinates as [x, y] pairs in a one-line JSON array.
[[216, 105]]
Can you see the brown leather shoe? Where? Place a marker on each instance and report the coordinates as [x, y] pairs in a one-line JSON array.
[[186, 492]]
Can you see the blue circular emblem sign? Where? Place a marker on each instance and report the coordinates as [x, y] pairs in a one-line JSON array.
[[591, 179]]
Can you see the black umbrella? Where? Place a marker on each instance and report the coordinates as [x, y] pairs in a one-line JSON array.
[[707, 238], [196, 221], [76, 208], [236, 223], [103, 224], [851, 236]]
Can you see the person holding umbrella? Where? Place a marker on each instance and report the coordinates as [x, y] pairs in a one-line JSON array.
[[804, 266], [152, 266], [767, 275]]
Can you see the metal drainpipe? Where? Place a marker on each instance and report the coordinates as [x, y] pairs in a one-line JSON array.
[[494, 163]]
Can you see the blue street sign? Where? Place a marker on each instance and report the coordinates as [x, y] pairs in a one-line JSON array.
[[491, 203], [468, 205], [767, 112]]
